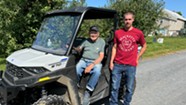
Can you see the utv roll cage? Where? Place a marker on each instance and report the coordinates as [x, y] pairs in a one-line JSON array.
[[13, 88], [86, 13]]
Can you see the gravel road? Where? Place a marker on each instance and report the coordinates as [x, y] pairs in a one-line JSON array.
[[160, 81]]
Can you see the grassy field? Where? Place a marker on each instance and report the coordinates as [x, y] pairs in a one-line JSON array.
[[2, 62], [170, 45]]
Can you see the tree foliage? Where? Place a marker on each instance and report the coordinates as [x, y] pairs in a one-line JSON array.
[[20, 20], [180, 13], [147, 12]]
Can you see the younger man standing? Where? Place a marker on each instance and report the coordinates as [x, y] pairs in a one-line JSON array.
[[125, 58]]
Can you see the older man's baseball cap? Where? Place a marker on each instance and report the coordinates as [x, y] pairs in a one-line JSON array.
[[94, 28]]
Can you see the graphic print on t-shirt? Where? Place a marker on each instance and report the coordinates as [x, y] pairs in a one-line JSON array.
[[127, 43]]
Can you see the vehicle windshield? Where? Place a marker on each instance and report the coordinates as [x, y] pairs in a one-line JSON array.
[[55, 33]]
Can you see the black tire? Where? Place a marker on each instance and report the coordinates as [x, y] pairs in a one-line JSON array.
[[51, 100]]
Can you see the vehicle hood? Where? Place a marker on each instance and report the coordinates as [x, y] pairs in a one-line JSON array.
[[33, 58]]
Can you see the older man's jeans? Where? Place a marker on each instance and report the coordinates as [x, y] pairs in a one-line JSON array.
[[117, 72], [94, 73]]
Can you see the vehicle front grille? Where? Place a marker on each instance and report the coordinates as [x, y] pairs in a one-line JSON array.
[[16, 71]]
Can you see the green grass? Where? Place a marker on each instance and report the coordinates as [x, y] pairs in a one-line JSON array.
[[170, 45], [2, 62]]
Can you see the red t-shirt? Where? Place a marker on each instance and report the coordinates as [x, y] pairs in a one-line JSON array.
[[127, 45]]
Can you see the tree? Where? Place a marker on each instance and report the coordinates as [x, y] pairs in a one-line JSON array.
[[179, 13], [21, 19], [147, 12]]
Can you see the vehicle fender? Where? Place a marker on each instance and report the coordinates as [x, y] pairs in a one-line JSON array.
[[72, 89]]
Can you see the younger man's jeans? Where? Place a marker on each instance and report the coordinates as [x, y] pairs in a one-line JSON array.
[[94, 73], [117, 72]]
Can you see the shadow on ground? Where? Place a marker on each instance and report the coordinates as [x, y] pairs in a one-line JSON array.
[[105, 101]]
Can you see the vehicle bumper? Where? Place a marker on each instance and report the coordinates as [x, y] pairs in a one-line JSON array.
[[7, 92]]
